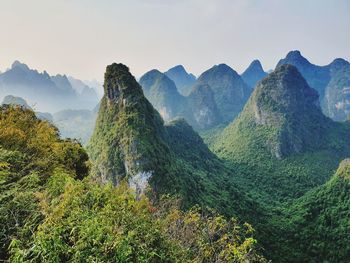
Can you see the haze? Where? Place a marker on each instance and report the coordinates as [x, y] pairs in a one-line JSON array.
[[80, 37]]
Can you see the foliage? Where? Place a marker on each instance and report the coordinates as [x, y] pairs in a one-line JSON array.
[[276, 118], [316, 227], [86, 222], [30, 152], [52, 212]]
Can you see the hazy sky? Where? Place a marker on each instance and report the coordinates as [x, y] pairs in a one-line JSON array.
[[80, 37]]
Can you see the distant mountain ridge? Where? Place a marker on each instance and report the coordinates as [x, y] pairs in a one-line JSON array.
[[330, 81], [18, 101], [130, 142], [49, 93], [182, 79], [254, 73], [162, 92], [282, 147], [230, 91]]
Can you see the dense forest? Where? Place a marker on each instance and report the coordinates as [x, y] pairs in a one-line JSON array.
[[269, 183], [53, 211]]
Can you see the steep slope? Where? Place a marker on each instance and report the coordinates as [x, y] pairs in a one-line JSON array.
[[316, 76], [230, 91], [162, 93], [37, 88], [316, 227], [201, 110], [47, 93], [127, 140], [253, 74], [331, 82], [131, 142], [337, 98], [182, 79], [87, 95], [282, 138]]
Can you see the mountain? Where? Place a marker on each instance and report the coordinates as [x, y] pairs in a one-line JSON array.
[[78, 124], [330, 81], [181, 78], [47, 200], [253, 74], [316, 226], [201, 110], [281, 132], [44, 92], [281, 147], [337, 98], [87, 94], [230, 91], [18, 101], [161, 91], [12, 100], [38, 88], [63, 84], [130, 142], [316, 76]]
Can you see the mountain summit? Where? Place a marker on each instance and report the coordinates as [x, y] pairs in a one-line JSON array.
[[253, 73], [280, 129], [127, 141], [182, 79], [230, 91], [285, 104], [316, 76], [130, 142], [161, 91]]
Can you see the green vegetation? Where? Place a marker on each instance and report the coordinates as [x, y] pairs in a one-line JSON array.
[[131, 142], [30, 153], [316, 227], [282, 148], [162, 92], [230, 91], [154, 192], [51, 211], [337, 93]]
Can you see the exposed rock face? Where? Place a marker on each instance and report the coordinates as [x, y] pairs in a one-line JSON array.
[[253, 74], [230, 91], [283, 114], [284, 100], [316, 76], [182, 79], [337, 99], [127, 141], [202, 108], [161, 91], [330, 81]]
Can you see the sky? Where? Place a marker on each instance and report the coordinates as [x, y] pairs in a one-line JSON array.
[[81, 37]]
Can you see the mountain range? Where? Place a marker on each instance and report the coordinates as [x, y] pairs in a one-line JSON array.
[[275, 159], [281, 138], [45, 92], [330, 81], [231, 91], [181, 78]]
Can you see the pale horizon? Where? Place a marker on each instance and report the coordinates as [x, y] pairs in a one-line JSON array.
[[79, 38]]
